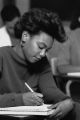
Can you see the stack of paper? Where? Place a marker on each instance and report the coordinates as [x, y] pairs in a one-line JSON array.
[[27, 110]]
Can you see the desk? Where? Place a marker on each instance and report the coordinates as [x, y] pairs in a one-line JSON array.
[[68, 79], [72, 77]]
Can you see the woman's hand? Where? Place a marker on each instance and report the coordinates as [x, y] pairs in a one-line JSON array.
[[32, 98], [62, 108]]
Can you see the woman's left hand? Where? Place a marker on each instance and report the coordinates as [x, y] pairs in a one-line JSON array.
[[62, 108]]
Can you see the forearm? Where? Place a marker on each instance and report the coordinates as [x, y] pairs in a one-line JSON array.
[[12, 99], [49, 89]]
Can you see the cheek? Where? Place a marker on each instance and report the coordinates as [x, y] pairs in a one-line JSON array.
[[11, 30], [31, 50], [28, 50], [35, 49]]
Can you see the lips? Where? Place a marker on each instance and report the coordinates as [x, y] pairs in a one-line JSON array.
[[37, 59]]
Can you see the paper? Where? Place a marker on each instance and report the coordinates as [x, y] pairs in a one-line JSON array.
[[24, 111]]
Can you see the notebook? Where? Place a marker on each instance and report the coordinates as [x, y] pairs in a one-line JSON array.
[[23, 111]]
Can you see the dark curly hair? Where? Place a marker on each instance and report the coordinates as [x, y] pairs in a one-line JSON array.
[[37, 20], [9, 12]]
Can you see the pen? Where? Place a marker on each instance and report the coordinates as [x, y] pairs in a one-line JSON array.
[[31, 90], [29, 87]]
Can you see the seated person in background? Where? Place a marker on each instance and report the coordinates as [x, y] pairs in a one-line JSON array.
[[10, 15], [27, 62], [72, 61]]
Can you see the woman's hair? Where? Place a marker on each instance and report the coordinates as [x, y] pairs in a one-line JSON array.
[[37, 20]]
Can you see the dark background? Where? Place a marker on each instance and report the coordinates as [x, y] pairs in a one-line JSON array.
[[64, 8]]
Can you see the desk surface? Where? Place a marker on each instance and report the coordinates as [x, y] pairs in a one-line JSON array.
[[67, 77]]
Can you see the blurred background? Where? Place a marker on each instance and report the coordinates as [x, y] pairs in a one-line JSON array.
[[65, 8]]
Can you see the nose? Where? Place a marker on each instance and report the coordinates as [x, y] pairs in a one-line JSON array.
[[43, 53]]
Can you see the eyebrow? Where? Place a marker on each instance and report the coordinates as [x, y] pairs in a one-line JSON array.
[[46, 45], [43, 44]]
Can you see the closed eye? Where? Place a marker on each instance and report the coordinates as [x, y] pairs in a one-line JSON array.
[[41, 45]]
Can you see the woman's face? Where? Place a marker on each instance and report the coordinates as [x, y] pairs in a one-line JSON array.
[[37, 46]]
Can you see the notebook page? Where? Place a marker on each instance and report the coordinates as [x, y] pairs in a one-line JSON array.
[[25, 111], [43, 107]]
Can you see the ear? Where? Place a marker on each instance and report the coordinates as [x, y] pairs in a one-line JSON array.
[[25, 37]]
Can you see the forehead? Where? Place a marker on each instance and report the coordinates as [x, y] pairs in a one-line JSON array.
[[46, 39]]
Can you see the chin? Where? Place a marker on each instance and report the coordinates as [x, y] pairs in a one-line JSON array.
[[33, 61]]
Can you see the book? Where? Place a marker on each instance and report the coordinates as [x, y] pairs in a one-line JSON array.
[[24, 111]]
